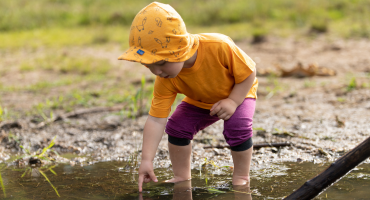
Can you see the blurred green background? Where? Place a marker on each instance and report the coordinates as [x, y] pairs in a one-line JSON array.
[[103, 21], [60, 54], [26, 15]]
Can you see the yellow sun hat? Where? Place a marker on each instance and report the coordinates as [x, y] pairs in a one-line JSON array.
[[159, 33]]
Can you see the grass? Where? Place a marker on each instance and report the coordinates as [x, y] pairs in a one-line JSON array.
[[101, 92], [274, 87], [63, 22], [68, 64], [309, 83], [57, 37], [41, 156], [352, 84], [69, 13], [341, 99], [136, 98], [2, 167], [2, 114], [42, 85]]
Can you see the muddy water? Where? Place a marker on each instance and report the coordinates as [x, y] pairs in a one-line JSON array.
[[117, 180]]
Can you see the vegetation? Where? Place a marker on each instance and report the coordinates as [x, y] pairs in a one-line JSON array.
[[23, 15], [49, 30], [2, 167], [352, 84], [318, 16]]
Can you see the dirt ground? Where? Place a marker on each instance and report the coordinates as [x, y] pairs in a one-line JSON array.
[[321, 117]]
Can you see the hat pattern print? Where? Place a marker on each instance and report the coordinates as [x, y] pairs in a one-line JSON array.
[[158, 33]]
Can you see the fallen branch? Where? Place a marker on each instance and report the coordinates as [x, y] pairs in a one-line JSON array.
[[255, 146], [79, 113], [333, 173]]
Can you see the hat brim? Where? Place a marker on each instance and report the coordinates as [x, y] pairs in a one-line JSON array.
[[135, 54]]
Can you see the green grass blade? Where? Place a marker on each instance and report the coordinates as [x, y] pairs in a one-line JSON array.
[[56, 191], [214, 190], [2, 185], [1, 114], [52, 171], [46, 148], [25, 172], [143, 81], [27, 151], [55, 152]]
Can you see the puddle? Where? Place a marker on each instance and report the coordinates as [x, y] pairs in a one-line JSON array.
[[112, 180]]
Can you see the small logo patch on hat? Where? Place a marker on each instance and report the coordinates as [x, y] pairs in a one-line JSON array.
[[141, 52]]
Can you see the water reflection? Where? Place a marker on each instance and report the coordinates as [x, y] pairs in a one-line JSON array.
[[242, 192], [183, 191]]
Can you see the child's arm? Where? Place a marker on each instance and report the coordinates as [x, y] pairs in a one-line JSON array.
[[226, 107], [153, 131]]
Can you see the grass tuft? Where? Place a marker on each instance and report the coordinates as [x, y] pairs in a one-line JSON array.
[[352, 84]]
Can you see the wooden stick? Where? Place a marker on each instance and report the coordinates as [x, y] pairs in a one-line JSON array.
[[333, 173], [255, 146]]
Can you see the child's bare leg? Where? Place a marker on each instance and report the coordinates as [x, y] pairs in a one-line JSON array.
[[180, 159], [242, 162]]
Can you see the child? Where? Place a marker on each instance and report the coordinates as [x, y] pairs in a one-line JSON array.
[[217, 78]]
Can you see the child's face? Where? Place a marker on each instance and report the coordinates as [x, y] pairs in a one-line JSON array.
[[166, 69]]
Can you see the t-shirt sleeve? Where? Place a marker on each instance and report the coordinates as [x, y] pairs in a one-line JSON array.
[[239, 64], [163, 97]]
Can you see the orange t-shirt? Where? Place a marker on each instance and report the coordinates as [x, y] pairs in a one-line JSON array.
[[220, 64]]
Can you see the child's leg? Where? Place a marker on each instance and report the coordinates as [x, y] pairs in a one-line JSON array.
[[242, 162], [184, 123], [238, 134], [180, 159]]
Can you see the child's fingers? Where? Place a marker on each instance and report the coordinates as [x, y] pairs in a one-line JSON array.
[[221, 112], [152, 176], [215, 105], [223, 115], [215, 109], [147, 179], [140, 183]]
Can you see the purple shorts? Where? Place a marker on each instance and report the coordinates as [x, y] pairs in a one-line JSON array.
[[187, 120]]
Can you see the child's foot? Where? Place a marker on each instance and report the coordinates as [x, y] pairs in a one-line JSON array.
[[241, 180], [176, 179]]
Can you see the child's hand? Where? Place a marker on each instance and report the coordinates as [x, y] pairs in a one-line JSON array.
[[224, 108], [146, 173]]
